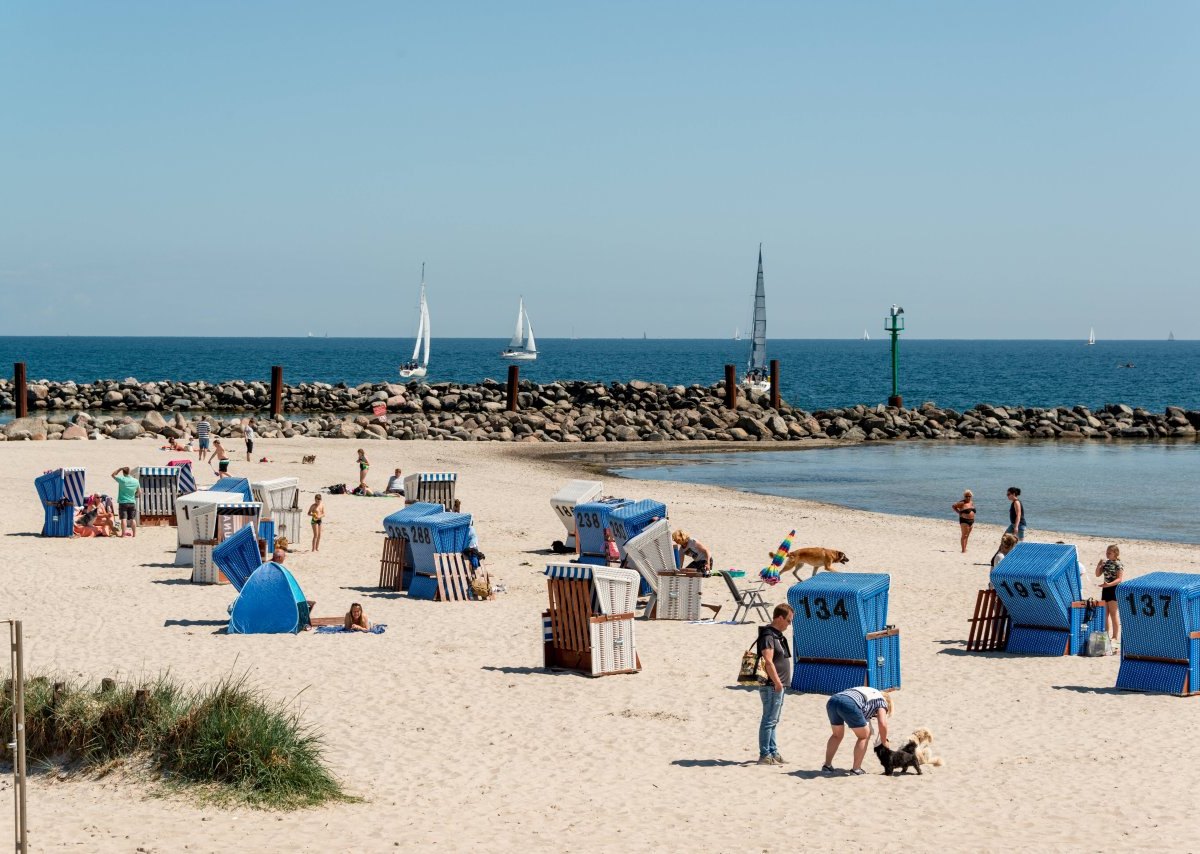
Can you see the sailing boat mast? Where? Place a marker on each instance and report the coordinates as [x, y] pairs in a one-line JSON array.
[[758, 349]]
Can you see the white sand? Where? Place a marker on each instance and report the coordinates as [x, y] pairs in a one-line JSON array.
[[457, 740]]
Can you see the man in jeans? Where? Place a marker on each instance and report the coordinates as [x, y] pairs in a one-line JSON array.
[[202, 437], [127, 492], [777, 661]]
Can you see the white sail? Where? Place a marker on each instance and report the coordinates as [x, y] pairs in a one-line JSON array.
[[1091, 336], [420, 327], [530, 344], [518, 339], [758, 346], [412, 368], [425, 328]]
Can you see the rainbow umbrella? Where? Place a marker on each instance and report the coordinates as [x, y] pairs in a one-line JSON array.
[[770, 574]]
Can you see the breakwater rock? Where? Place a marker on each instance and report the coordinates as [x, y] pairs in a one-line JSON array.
[[554, 412]]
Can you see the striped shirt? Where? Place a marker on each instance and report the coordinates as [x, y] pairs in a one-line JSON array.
[[869, 700], [202, 430]]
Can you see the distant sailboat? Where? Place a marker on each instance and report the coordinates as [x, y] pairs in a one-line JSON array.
[[737, 334], [414, 368], [522, 347], [757, 376], [1171, 336], [866, 337], [1091, 337]]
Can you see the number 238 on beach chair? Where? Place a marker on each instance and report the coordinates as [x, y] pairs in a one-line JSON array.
[[589, 624]]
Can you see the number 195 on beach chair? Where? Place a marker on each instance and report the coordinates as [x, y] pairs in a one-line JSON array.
[[1160, 633], [840, 634], [1039, 586]]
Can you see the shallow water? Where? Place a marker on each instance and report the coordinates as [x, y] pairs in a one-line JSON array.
[[1119, 490]]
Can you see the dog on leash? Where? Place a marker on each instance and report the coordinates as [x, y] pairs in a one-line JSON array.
[[817, 558], [923, 739], [308, 459], [902, 759]]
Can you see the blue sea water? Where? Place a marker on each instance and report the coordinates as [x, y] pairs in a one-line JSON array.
[[1117, 490], [815, 374]]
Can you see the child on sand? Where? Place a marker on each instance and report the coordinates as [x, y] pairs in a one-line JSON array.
[[221, 457], [1113, 572], [363, 465], [316, 515]]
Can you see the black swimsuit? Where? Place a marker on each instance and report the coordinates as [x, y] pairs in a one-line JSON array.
[[966, 520]]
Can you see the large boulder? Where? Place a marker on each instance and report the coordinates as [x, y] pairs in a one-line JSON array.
[[74, 431], [128, 431], [35, 427]]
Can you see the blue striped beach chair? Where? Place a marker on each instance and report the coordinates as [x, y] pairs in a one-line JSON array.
[[436, 487], [217, 523], [428, 535], [1160, 633], [237, 557], [60, 492], [396, 565], [187, 478], [589, 625], [591, 518], [158, 490], [628, 521], [840, 633], [1039, 585], [563, 502]]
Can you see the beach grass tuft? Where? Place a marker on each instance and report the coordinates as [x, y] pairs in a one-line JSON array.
[[228, 740]]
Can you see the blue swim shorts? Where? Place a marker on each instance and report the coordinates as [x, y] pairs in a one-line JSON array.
[[842, 710]]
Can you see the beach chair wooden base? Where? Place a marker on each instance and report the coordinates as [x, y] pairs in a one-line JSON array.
[[391, 565], [455, 576], [204, 569], [990, 624], [157, 520]]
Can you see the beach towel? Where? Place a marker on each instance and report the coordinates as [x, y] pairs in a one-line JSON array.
[[770, 574], [376, 629]]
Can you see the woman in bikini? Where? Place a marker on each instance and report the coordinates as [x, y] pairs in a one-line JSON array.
[[316, 515], [356, 620], [966, 516]]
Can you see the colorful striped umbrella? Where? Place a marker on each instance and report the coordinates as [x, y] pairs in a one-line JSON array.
[[770, 574]]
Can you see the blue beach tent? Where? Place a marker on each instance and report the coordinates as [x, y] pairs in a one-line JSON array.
[[271, 603]]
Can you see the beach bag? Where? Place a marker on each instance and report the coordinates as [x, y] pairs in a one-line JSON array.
[[752, 671], [336, 489], [1098, 644]]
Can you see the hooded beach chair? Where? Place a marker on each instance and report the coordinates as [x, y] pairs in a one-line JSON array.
[[191, 524], [396, 564], [216, 523], [280, 498], [237, 557], [747, 599], [591, 518], [629, 520], [1160, 633], [563, 502], [589, 624], [60, 492], [435, 487], [158, 491], [1040, 587]]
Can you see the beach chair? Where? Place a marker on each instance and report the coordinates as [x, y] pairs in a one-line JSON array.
[[396, 564], [748, 599], [589, 625], [591, 518], [1039, 585], [436, 487], [191, 526], [158, 491], [1160, 633], [217, 523], [60, 491], [840, 633], [187, 479], [563, 502], [651, 553], [629, 520], [455, 578], [236, 558], [429, 535]]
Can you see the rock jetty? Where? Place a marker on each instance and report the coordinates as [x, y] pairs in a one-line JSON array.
[[554, 412]]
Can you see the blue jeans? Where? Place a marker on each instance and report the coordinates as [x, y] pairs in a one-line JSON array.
[[772, 701], [1020, 532]]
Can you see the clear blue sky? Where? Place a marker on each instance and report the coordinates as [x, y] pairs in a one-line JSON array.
[[1001, 169]]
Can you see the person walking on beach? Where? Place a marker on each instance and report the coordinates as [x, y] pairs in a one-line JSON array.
[[1113, 573], [249, 435], [856, 707], [127, 493], [777, 661], [363, 465], [221, 457], [203, 429], [1016, 514], [966, 516], [316, 515]]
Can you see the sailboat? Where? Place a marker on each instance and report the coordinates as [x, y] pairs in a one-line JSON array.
[[522, 347], [757, 377], [866, 337], [1171, 336], [414, 368], [1091, 337], [737, 334]]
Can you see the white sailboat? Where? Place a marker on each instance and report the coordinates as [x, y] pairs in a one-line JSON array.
[[757, 376], [866, 337], [1091, 337], [522, 347], [737, 334], [1171, 336], [413, 367]]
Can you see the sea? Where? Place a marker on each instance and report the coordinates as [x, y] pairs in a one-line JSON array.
[[1145, 490]]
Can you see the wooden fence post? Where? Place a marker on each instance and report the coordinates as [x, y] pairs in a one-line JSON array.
[[514, 376], [22, 389], [276, 390], [730, 387], [774, 383]]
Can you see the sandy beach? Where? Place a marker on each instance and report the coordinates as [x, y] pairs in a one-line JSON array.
[[457, 740]]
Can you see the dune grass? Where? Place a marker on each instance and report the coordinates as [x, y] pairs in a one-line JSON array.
[[228, 740]]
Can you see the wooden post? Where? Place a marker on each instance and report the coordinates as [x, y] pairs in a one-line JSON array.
[[514, 377], [730, 387], [17, 658], [22, 389], [276, 390], [774, 383]]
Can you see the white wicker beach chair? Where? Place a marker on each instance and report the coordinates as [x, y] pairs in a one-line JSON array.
[[158, 491], [563, 502], [436, 487], [651, 553]]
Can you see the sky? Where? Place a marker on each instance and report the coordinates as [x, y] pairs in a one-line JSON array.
[[1000, 169]]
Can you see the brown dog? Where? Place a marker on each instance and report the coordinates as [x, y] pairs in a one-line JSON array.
[[817, 558]]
